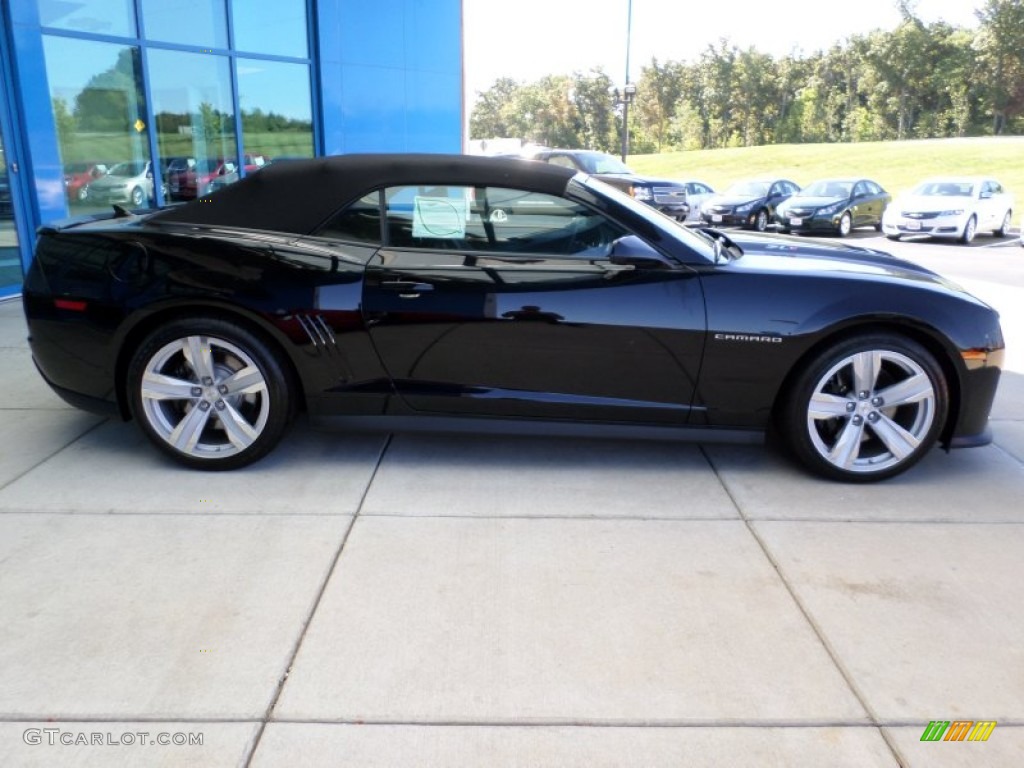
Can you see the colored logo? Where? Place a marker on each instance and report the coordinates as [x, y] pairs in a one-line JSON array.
[[958, 730]]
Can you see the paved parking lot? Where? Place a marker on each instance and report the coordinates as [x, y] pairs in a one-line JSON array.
[[377, 600]]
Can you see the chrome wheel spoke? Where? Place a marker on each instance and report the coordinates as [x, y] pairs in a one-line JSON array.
[[157, 386], [239, 431], [826, 406], [866, 366], [247, 381], [898, 440], [911, 390], [186, 435], [847, 447], [199, 356]]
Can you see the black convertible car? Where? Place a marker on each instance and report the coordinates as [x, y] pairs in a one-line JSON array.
[[369, 289]]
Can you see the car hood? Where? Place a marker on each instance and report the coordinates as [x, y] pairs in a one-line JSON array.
[[933, 202], [777, 253], [732, 200], [626, 180], [812, 202]]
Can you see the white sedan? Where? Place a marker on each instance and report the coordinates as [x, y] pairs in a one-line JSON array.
[[953, 207], [696, 193]]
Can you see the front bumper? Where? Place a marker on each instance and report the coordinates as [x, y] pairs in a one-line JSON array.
[[731, 219], [677, 212], [809, 223], [940, 226]]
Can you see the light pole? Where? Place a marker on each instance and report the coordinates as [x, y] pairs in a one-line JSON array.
[[629, 89]]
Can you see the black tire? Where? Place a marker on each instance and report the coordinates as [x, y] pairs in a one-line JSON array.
[[894, 238], [138, 196], [970, 230], [878, 226], [189, 410], [845, 224], [855, 436], [1005, 226], [761, 220]]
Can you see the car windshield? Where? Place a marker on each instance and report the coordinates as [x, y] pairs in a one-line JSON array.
[[128, 169], [827, 189], [597, 162], [748, 189], [945, 189]]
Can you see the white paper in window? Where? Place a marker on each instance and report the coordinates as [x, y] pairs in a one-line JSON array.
[[439, 217]]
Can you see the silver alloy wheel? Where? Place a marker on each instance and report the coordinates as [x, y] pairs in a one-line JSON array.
[[204, 397], [761, 223], [845, 224], [1005, 226], [871, 411]]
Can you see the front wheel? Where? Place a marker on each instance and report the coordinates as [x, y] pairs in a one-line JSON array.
[[894, 238], [845, 224], [866, 409], [138, 196], [1005, 226], [970, 230], [761, 220], [209, 393]]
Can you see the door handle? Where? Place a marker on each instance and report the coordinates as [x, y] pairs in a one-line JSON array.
[[408, 289]]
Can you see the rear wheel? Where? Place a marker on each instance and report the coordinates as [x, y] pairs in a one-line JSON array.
[[892, 237], [866, 409], [209, 393], [138, 196]]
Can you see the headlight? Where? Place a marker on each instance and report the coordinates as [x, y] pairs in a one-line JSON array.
[[957, 212], [641, 193], [745, 208], [828, 210]]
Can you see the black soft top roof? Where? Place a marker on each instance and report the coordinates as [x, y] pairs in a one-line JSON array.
[[298, 195]]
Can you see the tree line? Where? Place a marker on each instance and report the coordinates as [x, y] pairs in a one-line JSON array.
[[918, 80]]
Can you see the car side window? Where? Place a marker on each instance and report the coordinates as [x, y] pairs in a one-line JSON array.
[[496, 220], [562, 160], [360, 221]]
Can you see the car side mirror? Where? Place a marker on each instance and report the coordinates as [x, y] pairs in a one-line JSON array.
[[631, 250]]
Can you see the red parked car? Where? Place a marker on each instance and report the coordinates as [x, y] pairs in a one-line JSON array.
[[197, 180], [78, 176]]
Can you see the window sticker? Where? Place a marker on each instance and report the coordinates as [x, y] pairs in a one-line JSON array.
[[439, 217]]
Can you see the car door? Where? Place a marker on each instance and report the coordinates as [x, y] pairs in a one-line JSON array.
[[549, 310], [992, 206]]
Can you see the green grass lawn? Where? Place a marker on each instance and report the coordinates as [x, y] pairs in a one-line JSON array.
[[896, 165]]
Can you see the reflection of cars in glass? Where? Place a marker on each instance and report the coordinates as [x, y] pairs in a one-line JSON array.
[[953, 207], [130, 182], [78, 177], [666, 196], [750, 204], [834, 205], [6, 208], [581, 307], [195, 181]]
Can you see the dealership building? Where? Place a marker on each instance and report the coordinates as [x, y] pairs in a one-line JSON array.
[[153, 102]]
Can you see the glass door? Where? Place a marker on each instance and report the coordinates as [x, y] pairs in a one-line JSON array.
[[10, 253]]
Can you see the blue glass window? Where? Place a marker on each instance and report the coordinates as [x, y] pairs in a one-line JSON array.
[[104, 17], [189, 22], [277, 116], [277, 27]]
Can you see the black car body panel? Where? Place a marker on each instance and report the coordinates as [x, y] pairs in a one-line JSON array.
[[863, 200], [657, 329]]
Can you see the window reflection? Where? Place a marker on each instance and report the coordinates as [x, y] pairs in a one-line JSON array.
[[10, 258], [96, 94], [277, 117], [195, 122], [277, 28], [190, 22], [105, 17]]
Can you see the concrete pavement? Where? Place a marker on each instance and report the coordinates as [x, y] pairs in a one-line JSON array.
[[375, 600]]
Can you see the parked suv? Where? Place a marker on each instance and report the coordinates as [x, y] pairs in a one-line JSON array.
[[669, 197]]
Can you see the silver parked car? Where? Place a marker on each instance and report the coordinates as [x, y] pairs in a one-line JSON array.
[[130, 182]]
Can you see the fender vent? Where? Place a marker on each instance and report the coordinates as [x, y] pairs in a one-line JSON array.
[[319, 332]]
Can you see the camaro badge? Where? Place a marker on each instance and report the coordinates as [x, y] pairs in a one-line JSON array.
[[748, 337]]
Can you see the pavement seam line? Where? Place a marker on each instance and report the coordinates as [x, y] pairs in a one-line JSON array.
[[49, 456], [805, 612], [316, 605]]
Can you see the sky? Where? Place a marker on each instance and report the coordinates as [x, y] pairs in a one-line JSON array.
[[527, 39]]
